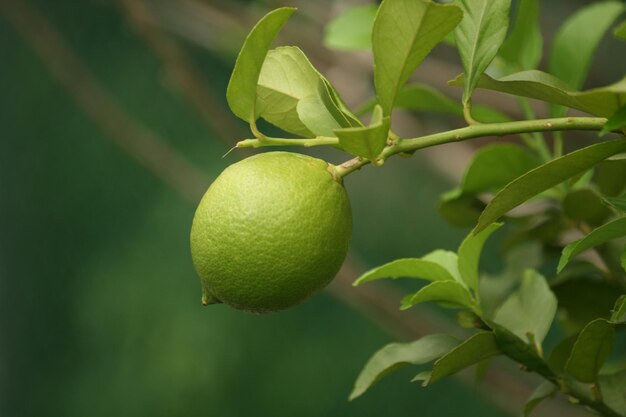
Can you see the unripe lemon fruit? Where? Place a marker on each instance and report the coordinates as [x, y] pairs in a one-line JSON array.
[[270, 231]]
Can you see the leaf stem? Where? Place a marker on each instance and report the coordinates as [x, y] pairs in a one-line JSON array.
[[269, 141], [483, 130]]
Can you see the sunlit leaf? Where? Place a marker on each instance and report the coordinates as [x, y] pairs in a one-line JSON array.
[[367, 142], [545, 390], [574, 44], [469, 255], [404, 32], [242, 87], [593, 346], [609, 231], [522, 49], [449, 292], [447, 259], [545, 177], [409, 268], [601, 101], [479, 36], [352, 29], [480, 346], [528, 313], [397, 355], [294, 96]]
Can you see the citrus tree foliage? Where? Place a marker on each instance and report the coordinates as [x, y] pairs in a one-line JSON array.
[[577, 228]]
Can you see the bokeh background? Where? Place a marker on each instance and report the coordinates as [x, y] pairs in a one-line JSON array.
[[113, 122]]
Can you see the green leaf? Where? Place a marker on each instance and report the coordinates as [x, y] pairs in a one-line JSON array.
[[528, 313], [577, 39], [623, 260], [242, 87], [338, 102], [404, 32], [545, 390], [479, 36], [585, 204], [609, 231], [545, 177], [480, 346], [352, 29], [449, 292], [618, 314], [423, 97], [397, 355], [294, 96], [560, 354], [518, 350], [447, 259], [610, 176], [620, 31], [599, 297], [409, 268], [618, 203], [592, 348], [601, 101], [522, 49], [469, 255], [496, 165], [612, 388], [367, 142], [616, 122]]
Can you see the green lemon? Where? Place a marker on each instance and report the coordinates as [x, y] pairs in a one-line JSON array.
[[270, 231]]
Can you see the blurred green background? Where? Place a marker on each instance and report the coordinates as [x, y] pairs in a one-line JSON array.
[[113, 121]]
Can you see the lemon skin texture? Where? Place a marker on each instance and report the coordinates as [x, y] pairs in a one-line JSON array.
[[270, 231]]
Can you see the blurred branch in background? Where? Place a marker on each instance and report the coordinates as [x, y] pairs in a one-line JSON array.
[[378, 303]]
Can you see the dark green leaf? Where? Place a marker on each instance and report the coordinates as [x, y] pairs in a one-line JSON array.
[[404, 32], [396, 355], [528, 313], [601, 101], [616, 122], [544, 390], [623, 260], [618, 203], [410, 268], [242, 87], [545, 177], [448, 292], [599, 297], [576, 41], [614, 391], [469, 255], [618, 314], [560, 354], [620, 31], [480, 346], [609, 231], [585, 204], [592, 348], [479, 36], [610, 176], [518, 350], [367, 142], [352, 29], [460, 210], [496, 165], [522, 49]]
